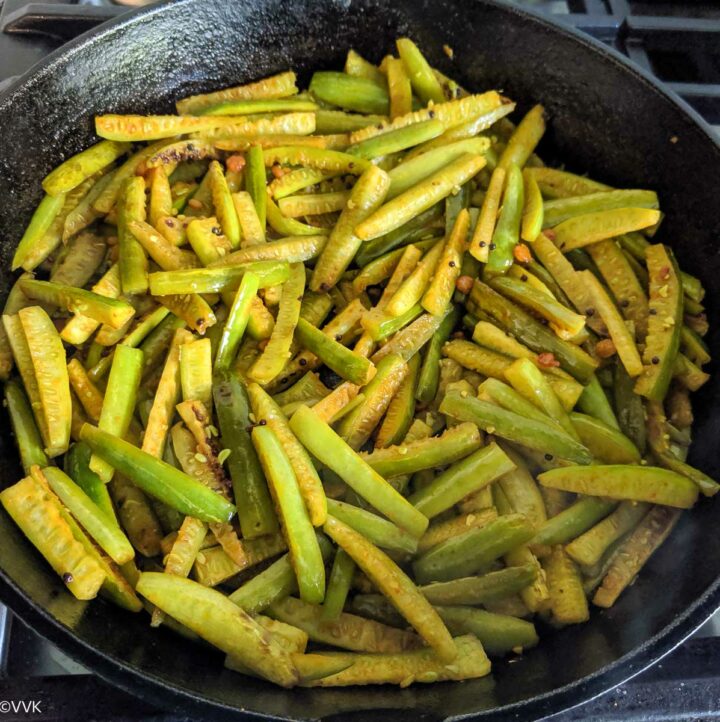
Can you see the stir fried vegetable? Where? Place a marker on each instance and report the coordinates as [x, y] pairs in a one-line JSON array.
[[349, 367]]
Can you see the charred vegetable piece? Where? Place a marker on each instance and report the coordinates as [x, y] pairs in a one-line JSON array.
[[634, 552]]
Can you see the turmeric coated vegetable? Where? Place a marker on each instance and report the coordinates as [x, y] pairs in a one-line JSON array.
[[395, 584], [446, 389], [36, 511], [220, 622]]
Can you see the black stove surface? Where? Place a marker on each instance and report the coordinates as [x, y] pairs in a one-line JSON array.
[[680, 44]]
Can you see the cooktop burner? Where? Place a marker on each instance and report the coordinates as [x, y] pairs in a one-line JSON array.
[[680, 44]]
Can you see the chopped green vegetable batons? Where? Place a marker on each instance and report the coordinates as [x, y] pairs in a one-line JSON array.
[[348, 367]]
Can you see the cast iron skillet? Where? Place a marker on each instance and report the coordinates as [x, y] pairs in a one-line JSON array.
[[606, 117]]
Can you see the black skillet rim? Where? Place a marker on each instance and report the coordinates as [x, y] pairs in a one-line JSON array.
[[158, 691]]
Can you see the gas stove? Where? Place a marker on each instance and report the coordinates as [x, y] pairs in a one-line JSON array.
[[677, 42]]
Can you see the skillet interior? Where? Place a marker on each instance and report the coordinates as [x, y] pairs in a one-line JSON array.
[[605, 118]]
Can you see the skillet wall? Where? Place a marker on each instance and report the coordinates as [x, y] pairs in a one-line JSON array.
[[604, 119]]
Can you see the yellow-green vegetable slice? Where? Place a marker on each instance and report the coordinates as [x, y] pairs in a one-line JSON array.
[[33, 508], [412, 170], [75, 170], [438, 295], [325, 445], [26, 254], [568, 603], [525, 138], [606, 443], [47, 356], [635, 483], [102, 528], [592, 227], [588, 549], [348, 631], [405, 668], [556, 183], [533, 212], [396, 585], [111, 311], [619, 333], [119, 401], [419, 198], [295, 521], [399, 88], [357, 426], [266, 409], [277, 351], [281, 85], [664, 323], [196, 372], [450, 114], [220, 622], [366, 197], [159, 478], [133, 261]]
